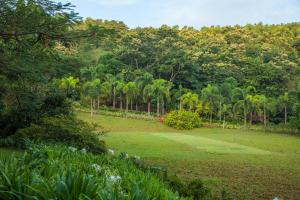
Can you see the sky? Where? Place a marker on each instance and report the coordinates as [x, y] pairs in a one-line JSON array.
[[195, 13]]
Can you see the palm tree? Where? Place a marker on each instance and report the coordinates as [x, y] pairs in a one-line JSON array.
[[106, 90], [68, 83], [166, 95], [241, 98], [112, 83], [142, 81], [190, 99], [225, 94], [254, 105], [283, 103], [210, 94], [177, 94], [162, 93], [119, 90], [91, 89], [130, 90], [271, 107], [148, 93], [225, 109]]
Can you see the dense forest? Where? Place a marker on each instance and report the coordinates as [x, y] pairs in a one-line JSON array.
[[60, 72], [50, 57]]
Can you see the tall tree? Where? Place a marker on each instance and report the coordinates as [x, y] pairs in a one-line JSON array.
[[148, 94], [112, 83], [210, 94], [130, 90], [91, 89], [190, 99], [162, 93], [119, 90], [284, 103], [68, 84], [241, 99], [225, 95]]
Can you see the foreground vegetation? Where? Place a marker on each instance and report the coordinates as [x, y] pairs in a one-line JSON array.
[[58, 172], [250, 165]]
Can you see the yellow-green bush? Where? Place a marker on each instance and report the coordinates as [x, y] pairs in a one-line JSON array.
[[182, 120]]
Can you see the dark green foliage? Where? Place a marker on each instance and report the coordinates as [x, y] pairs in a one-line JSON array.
[[29, 34], [182, 120], [26, 106], [295, 122], [56, 172], [195, 189], [198, 190], [262, 56], [65, 130], [56, 104], [177, 185]]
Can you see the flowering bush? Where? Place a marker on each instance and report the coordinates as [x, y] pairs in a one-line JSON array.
[[182, 120]]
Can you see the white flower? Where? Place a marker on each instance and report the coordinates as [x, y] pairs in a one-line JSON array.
[[115, 179], [96, 167], [137, 157], [111, 152], [83, 150], [276, 198], [126, 155], [73, 149]]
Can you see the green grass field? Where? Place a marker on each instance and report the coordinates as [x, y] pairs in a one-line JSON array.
[[252, 165]]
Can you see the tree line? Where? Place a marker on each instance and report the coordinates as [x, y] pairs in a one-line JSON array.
[[227, 101]]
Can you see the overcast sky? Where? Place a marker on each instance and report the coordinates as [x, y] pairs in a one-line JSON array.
[[196, 13]]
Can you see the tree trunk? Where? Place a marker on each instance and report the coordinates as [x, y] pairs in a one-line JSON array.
[[131, 105], [220, 109], [210, 117], [265, 117], [149, 108], [136, 106], [245, 117], [285, 115], [91, 107], [98, 103], [224, 121], [127, 104], [114, 98], [94, 104], [251, 115], [157, 107], [163, 107], [121, 103]]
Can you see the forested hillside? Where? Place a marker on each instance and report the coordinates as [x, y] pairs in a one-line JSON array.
[[247, 71], [263, 56], [256, 63]]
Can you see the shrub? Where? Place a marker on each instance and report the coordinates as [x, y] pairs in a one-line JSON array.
[[65, 130], [182, 120], [198, 190], [177, 185]]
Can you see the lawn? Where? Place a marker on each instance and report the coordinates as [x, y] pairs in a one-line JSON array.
[[252, 165]]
